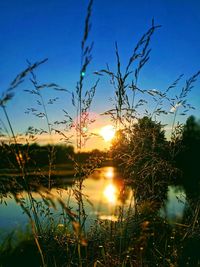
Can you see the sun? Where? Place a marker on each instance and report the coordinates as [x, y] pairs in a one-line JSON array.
[[107, 132]]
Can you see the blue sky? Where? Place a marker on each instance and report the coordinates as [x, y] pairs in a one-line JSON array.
[[36, 29]]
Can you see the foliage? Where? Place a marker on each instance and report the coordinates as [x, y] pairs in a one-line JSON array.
[[188, 158], [139, 236], [144, 156]]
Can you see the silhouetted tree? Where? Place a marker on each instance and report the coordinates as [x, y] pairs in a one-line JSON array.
[[143, 153], [119, 148], [63, 154], [188, 158]]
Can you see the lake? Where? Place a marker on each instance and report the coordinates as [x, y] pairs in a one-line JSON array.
[[103, 194]]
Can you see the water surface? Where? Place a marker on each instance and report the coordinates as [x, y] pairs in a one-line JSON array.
[[103, 193]]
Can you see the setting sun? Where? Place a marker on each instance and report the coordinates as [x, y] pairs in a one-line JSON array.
[[107, 132]]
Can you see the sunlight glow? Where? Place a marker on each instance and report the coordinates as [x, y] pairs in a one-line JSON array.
[[109, 173], [110, 193], [107, 132]]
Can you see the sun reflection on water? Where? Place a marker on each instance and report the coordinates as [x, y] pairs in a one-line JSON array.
[[112, 218], [109, 173], [103, 193], [110, 193]]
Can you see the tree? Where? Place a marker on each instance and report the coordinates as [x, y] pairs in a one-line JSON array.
[[188, 158], [143, 153]]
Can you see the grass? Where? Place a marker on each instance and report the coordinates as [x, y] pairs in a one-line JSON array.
[[139, 236], [145, 240]]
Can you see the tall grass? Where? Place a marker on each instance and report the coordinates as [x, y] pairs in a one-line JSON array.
[[139, 236], [81, 101]]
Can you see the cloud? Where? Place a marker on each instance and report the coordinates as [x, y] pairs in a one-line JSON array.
[[174, 107]]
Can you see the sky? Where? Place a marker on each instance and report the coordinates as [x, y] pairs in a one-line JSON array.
[[33, 30]]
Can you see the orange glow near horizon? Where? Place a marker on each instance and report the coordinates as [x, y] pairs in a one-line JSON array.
[[101, 133]]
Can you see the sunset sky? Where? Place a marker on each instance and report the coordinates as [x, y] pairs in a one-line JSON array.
[[53, 29]]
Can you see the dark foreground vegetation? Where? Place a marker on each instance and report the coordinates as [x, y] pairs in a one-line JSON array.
[[149, 162]]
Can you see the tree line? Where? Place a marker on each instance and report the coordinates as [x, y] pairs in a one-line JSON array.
[[34, 155], [151, 163]]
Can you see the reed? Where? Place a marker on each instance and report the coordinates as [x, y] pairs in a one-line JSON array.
[[139, 236]]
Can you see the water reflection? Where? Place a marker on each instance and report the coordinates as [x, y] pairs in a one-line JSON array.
[[108, 190], [104, 189], [110, 193], [109, 172], [112, 218], [114, 191]]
